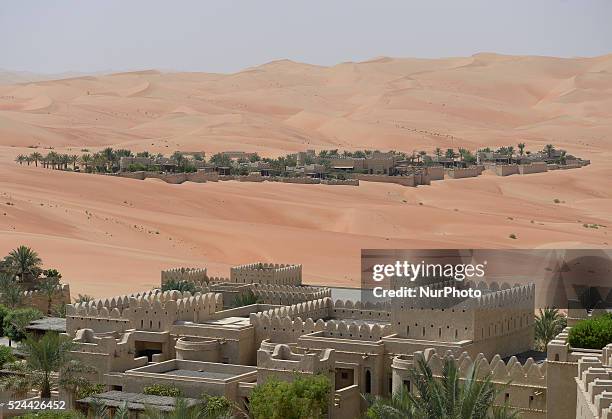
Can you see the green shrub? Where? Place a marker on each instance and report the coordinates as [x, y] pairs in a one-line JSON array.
[[593, 333], [90, 390], [15, 322], [3, 312], [6, 355], [216, 406], [302, 398], [163, 390]]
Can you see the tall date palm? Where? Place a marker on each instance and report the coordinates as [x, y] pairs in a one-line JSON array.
[[447, 397]]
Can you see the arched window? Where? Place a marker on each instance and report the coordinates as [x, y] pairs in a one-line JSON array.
[[368, 382]]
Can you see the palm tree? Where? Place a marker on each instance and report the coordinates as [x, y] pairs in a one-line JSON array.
[[28, 160], [73, 160], [83, 298], [65, 159], [11, 293], [521, 147], [109, 156], [44, 359], [449, 396], [49, 286], [20, 159], [548, 149], [36, 156], [24, 262], [86, 159], [549, 322], [179, 158], [399, 406], [99, 162], [53, 159]]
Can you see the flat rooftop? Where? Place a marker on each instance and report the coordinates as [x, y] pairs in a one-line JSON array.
[[51, 324], [174, 369], [230, 321], [200, 374]]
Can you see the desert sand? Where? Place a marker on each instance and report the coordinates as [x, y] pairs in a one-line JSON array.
[[110, 236]]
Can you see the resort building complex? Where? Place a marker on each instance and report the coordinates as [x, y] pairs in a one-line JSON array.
[[236, 332]]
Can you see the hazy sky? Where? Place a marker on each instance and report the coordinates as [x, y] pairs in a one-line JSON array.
[[51, 36]]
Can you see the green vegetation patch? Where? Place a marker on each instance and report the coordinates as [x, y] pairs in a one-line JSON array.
[[593, 333], [163, 390], [303, 398]]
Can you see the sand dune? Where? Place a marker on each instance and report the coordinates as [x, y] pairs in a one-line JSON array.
[[110, 235]]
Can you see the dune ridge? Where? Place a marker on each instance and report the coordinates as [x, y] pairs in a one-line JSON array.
[[110, 235]]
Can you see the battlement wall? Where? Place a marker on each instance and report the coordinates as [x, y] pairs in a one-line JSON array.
[[364, 311], [284, 329], [529, 373], [287, 294], [317, 309], [123, 301], [195, 275], [501, 312], [154, 312], [40, 300], [522, 386], [267, 273]]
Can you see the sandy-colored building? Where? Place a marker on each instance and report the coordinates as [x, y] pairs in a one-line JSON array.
[[201, 344]]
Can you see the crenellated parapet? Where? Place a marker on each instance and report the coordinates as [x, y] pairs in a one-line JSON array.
[[155, 311], [347, 309], [288, 294], [194, 275], [316, 309], [267, 273], [288, 330], [503, 295], [523, 387], [160, 314], [527, 374], [40, 300], [120, 302]]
